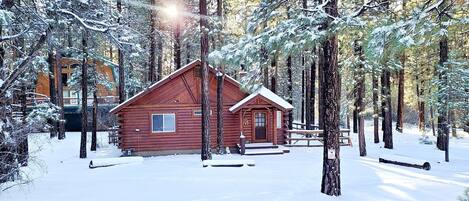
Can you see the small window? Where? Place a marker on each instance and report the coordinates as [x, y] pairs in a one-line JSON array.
[[199, 112], [163, 123], [64, 79], [279, 119]]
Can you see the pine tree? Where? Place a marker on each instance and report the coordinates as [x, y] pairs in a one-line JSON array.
[[60, 96], [375, 106], [330, 184], [120, 52], [153, 50], [84, 92], [360, 91], [52, 88], [205, 153], [220, 80]]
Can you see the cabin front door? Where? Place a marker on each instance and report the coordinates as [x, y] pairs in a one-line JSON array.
[[260, 123]]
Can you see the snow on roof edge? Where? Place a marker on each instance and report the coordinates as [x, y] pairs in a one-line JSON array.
[[266, 93]]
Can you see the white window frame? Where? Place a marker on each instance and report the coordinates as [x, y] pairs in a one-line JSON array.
[[279, 119], [171, 131]]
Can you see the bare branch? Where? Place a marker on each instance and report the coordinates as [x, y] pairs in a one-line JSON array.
[[5, 38]]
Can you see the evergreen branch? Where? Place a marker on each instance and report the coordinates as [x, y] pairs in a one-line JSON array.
[[21, 68]]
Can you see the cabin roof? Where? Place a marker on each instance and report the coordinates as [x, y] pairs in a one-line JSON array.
[[267, 94], [163, 81]]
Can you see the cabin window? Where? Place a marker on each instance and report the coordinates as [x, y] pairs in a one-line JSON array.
[[163, 123], [279, 119]]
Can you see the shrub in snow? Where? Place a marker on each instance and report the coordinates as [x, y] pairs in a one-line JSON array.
[[465, 196], [425, 140]]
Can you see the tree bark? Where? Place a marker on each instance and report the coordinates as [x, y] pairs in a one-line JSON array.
[[312, 94], [52, 89], [400, 97], [400, 93], [290, 91], [23, 150], [273, 79], [421, 103], [152, 62], [205, 152], [360, 92], [84, 91], [331, 94], [303, 94], [220, 80], [321, 88], [387, 109], [375, 107], [121, 60], [177, 45], [95, 120], [60, 96], [443, 130]]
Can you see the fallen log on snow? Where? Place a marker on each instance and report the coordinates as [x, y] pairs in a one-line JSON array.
[[228, 163], [107, 162], [405, 161]]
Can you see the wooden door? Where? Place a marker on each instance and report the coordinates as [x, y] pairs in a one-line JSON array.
[[260, 124]]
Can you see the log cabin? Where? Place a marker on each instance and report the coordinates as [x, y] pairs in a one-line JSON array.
[[107, 97], [72, 97], [165, 118]]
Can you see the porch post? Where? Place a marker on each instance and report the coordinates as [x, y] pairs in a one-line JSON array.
[[274, 126]]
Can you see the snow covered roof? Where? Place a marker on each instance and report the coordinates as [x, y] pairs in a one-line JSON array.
[[163, 81], [266, 93]]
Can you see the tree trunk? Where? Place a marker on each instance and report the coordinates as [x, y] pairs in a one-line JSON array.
[[312, 93], [84, 91], [177, 45], [52, 89], [273, 79], [355, 111], [331, 94], [205, 152], [23, 150], [387, 109], [400, 92], [60, 96], [443, 130], [220, 80], [375, 107], [303, 94], [400, 97], [121, 60], [321, 87], [152, 62], [360, 92], [290, 91], [421, 103], [95, 120]]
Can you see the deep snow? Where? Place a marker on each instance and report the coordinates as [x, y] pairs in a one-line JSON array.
[[58, 174]]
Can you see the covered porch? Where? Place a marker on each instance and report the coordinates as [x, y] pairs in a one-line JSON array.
[[263, 117]]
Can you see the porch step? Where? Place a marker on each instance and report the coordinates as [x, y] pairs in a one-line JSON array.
[[260, 146], [267, 151]]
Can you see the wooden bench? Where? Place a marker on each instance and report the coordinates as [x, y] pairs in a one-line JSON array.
[[314, 135]]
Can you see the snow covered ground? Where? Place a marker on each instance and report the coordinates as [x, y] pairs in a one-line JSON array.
[[58, 174]]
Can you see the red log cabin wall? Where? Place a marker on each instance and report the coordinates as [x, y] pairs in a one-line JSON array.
[[182, 96]]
